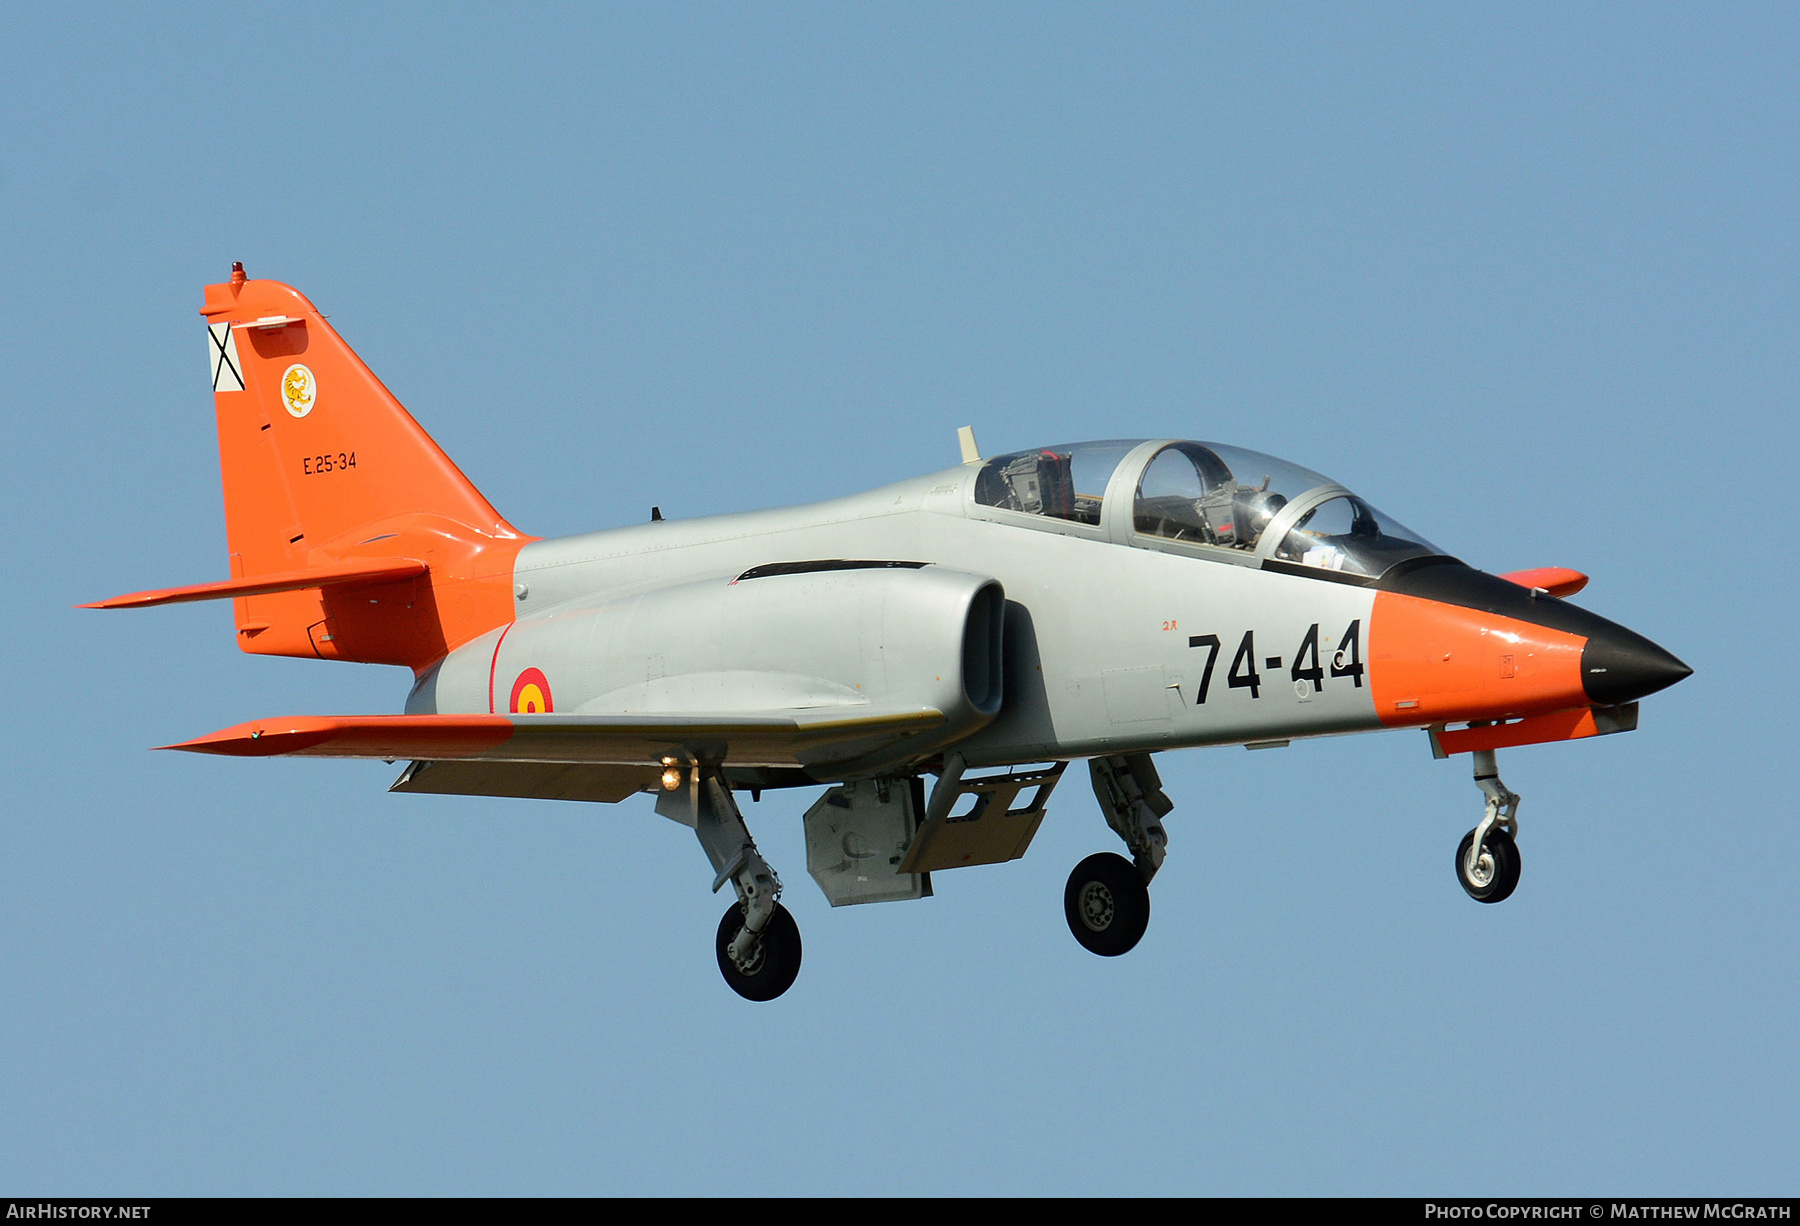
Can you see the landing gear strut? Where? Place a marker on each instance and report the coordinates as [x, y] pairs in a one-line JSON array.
[[1487, 860], [1107, 900], [758, 942]]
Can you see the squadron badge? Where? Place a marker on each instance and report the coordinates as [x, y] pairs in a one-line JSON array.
[[299, 390]]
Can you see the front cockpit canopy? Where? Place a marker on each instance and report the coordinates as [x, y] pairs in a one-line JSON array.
[[1209, 495]]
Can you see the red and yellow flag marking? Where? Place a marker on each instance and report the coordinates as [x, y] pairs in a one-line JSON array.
[[531, 694]]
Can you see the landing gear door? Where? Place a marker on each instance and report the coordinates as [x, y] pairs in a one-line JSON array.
[[993, 829], [856, 836]]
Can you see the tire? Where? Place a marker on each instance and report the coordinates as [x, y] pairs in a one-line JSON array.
[[1107, 904], [1504, 856], [780, 963]]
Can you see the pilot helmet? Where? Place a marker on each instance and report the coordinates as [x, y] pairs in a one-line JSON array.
[[1259, 507]]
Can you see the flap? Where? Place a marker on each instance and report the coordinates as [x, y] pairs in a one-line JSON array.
[[584, 781]]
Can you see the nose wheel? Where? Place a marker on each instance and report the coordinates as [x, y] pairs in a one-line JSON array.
[[1107, 904], [1487, 859], [1492, 873]]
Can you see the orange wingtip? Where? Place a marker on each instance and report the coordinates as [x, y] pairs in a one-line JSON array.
[[385, 571], [1557, 580], [357, 736]]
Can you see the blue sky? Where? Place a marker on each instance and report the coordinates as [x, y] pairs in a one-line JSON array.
[[1524, 276]]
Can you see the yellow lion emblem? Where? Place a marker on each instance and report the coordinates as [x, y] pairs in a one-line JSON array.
[[299, 389]]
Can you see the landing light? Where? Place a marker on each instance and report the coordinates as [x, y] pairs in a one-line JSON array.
[[671, 776]]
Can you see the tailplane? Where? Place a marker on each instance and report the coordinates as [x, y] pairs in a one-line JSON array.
[[352, 536]]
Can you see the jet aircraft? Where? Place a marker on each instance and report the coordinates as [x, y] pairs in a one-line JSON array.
[[986, 625]]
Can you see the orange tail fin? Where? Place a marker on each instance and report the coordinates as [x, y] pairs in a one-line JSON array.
[[325, 472]]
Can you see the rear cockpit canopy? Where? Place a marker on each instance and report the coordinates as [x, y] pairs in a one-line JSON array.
[[1204, 498]]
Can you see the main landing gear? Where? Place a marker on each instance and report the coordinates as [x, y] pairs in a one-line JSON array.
[[1107, 900], [758, 942], [1487, 860]]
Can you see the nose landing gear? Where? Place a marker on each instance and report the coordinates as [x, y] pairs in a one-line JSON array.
[[1487, 860]]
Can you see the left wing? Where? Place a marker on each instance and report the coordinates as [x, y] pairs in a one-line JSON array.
[[785, 738]]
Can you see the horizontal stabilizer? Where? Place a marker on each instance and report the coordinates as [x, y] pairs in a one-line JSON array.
[[776, 739], [388, 570]]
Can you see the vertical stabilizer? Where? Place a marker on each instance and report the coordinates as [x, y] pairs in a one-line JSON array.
[[323, 468]]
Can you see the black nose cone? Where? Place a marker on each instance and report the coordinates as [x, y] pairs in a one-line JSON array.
[[1618, 666]]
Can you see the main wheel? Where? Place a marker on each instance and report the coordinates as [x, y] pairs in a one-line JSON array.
[[777, 962], [1496, 871], [1107, 904]]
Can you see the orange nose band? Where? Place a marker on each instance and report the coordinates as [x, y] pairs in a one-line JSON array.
[[1435, 663]]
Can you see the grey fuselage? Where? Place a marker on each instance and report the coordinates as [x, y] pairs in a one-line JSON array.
[[1109, 637]]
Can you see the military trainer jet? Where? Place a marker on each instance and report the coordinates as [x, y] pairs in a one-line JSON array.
[[985, 625]]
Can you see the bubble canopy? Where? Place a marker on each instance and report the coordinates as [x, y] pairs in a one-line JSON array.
[[1208, 495]]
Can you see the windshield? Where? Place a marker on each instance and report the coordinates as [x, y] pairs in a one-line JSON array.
[[1347, 534]]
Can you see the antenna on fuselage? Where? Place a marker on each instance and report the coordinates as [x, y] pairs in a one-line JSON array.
[[965, 436]]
